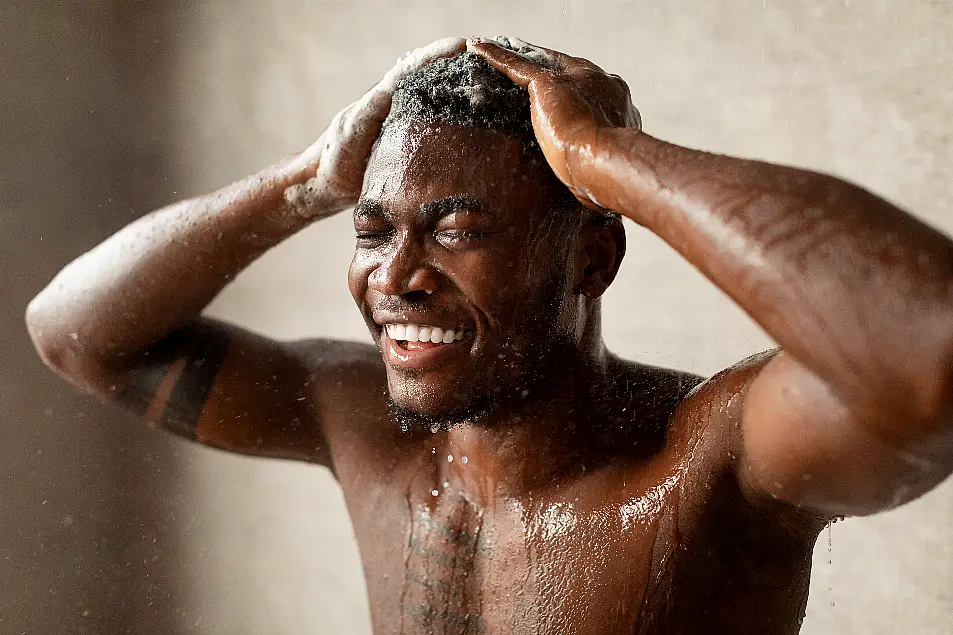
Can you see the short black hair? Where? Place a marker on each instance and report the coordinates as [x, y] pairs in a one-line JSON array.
[[465, 90]]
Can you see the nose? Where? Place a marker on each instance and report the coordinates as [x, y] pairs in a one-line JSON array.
[[403, 270]]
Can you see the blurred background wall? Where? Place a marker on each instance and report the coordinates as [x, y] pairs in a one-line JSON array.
[[112, 108]]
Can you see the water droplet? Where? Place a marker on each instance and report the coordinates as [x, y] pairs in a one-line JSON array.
[[465, 460], [434, 492], [449, 458]]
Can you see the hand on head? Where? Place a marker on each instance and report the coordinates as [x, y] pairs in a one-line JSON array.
[[571, 98], [339, 156]]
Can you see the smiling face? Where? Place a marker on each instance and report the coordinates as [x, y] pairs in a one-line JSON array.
[[460, 242]]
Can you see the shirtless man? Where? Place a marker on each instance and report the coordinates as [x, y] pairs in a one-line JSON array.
[[509, 474]]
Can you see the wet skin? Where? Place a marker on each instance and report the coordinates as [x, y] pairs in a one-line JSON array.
[[582, 502], [585, 493]]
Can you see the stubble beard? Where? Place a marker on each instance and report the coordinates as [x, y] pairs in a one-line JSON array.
[[409, 420], [534, 364]]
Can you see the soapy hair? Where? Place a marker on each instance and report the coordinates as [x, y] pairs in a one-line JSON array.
[[465, 90]]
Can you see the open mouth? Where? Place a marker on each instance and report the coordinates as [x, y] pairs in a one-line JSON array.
[[419, 337]]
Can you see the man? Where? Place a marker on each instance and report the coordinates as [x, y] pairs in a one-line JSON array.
[[503, 470]]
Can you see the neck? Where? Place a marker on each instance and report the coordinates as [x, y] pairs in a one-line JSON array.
[[545, 432]]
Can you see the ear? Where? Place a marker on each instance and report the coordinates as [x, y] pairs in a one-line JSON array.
[[601, 249]]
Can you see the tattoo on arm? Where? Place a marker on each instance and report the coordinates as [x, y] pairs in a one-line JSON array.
[[173, 378]]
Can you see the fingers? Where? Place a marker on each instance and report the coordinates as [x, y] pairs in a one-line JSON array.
[[518, 68], [557, 60]]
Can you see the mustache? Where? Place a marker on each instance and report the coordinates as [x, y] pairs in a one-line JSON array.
[[400, 304]]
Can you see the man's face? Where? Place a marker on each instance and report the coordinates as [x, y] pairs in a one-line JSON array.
[[456, 234]]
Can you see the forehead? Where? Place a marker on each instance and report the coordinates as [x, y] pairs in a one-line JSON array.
[[415, 163]]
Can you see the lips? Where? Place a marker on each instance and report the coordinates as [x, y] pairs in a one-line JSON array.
[[424, 333], [414, 346]]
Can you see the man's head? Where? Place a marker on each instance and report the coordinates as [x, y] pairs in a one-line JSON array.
[[463, 229]]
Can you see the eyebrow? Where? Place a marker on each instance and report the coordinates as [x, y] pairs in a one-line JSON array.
[[431, 210], [369, 208]]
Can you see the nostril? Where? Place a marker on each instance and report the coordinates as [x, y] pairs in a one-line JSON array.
[[415, 297]]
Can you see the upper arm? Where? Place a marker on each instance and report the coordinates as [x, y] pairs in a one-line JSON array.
[[226, 387], [797, 442]]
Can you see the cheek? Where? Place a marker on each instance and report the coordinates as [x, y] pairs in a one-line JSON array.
[[484, 278], [494, 291], [357, 273]]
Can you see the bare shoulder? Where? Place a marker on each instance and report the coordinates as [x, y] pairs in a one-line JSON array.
[[325, 355], [708, 421], [685, 407], [346, 386], [693, 430], [651, 394], [341, 375]]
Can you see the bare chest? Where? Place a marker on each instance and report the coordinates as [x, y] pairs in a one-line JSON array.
[[557, 565]]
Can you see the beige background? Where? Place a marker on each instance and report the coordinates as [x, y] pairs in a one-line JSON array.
[[110, 110]]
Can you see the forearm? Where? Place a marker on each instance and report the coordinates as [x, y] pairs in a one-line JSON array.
[[159, 272], [856, 289]]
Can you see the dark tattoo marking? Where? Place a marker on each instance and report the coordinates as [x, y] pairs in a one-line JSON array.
[[442, 585], [198, 349], [139, 393]]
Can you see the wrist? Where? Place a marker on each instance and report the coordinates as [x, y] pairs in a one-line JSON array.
[[296, 169], [602, 169], [587, 165], [305, 195]]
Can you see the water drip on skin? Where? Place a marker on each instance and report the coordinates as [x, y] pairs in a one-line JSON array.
[[830, 559], [410, 538]]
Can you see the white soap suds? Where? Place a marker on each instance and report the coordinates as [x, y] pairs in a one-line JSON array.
[[531, 52]]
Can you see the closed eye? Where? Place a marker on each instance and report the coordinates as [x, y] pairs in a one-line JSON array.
[[372, 238], [456, 238]]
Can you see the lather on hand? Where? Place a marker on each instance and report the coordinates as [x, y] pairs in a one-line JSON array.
[[339, 156]]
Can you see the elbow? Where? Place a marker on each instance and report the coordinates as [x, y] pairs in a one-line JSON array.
[[38, 325], [51, 344], [60, 347]]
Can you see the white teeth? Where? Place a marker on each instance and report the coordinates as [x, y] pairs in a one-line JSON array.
[[417, 333]]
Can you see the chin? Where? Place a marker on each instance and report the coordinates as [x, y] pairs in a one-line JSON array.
[[424, 405]]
